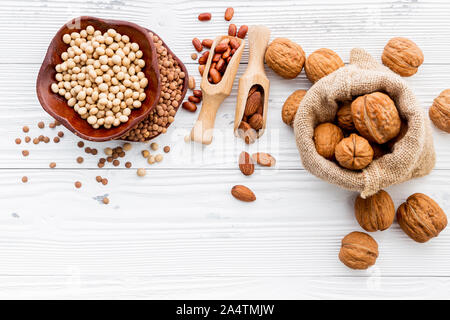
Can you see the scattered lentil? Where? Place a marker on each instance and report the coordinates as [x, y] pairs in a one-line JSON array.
[[80, 144], [52, 125], [141, 172], [60, 134], [128, 164], [18, 141], [100, 164], [27, 139], [41, 138], [105, 200], [56, 139], [154, 146], [36, 140], [194, 56], [159, 158], [52, 165], [24, 179], [41, 125], [127, 146], [46, 139], [25, 153], [80, 159], [98, 178], [77, 184], [94, 152], [116, 163], [25, 129], [87, 150], [166, 149], [104, 181]]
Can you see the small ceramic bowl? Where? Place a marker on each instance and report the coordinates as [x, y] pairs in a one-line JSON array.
[[57, 106]]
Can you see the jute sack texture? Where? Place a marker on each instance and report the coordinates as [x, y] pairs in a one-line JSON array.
[[413, 156]]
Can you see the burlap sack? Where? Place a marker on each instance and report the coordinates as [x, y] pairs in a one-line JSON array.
[[412, 157]]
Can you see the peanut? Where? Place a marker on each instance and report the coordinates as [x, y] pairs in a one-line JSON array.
[[242, 32], [229, 14], [197, 44], [189, 106], [203, 58], [232, 29], [206, 16], [207, 43]]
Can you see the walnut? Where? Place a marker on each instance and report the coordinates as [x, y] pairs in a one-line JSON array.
[[358, 250], [321, 63], [326, 138], [354, 152], [440, 111], [291, 105], [285, 57], [402, 56], [376, 212], [421, 218], [344, 116], [376, 117]]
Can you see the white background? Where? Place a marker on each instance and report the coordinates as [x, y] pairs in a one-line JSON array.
[[178, 233]]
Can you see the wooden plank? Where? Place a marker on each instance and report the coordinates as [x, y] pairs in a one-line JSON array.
[[77, 285], [186, 223], [21, 107], [367, 24]]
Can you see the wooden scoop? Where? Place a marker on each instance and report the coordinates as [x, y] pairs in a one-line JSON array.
[[258, 39], [214, 94]]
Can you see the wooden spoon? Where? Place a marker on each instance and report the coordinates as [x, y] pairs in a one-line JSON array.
[[214, 94], [258, 39]]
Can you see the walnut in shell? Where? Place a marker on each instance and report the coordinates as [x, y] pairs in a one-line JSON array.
[[377, 212], [376, 117], [440, 111], [354, 152], [358, 250], [285, 57], [344, 116], [421, 218], [326, 138], [291, 105], [321, 63], [402, 56]]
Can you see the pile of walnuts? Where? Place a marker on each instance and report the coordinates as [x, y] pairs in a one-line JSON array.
[[365, 129], [420, 217]]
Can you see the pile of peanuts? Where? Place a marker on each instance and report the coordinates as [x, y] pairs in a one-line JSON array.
[[101, 76], [172, 81]]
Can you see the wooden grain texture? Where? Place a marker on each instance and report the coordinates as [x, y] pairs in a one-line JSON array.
[[178, 233]]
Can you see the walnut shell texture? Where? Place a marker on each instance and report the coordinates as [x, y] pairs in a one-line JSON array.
[[285, 57], [421, 218], [358, 250], [377, 212], [402, 56], [354, 152], [326, 138], [321, 63], [344, 116], [440, 111], [376, 117], [291, 105]]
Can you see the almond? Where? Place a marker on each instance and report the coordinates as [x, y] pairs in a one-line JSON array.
[[246, 164], [264, 159], [247, 133], [243, 193], [256, 121], [253, 103]]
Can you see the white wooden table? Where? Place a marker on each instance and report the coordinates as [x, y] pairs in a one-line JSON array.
[[178, 233]]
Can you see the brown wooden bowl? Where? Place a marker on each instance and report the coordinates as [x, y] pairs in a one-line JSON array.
[[57, 106]]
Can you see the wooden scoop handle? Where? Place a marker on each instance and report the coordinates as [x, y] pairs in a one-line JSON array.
[[258, 39], [202, 131]]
